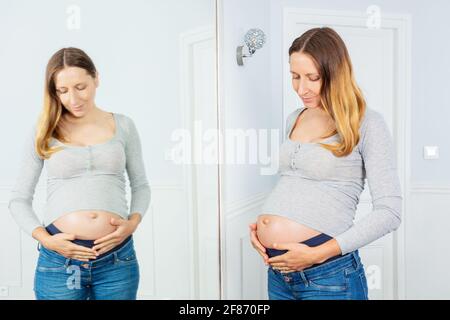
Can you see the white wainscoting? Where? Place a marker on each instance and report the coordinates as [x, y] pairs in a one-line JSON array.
[[244, 270], [427, 246]]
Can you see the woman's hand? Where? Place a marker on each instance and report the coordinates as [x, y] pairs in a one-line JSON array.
[[299, 257], [123, 230], [256, 244], [61, 243]]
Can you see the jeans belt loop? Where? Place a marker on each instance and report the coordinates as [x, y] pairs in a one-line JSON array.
[[355, 259], [303, 276]]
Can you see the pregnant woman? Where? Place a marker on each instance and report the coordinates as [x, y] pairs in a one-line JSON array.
[[306, 234], [85, 241]]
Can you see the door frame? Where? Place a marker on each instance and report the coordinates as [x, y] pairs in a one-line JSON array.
[[401, 25], [190, 43]]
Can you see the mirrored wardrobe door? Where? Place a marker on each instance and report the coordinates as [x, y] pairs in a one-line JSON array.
[[156, 61]]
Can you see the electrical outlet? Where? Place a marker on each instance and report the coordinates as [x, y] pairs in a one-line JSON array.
[[4, 291], [431, 152]]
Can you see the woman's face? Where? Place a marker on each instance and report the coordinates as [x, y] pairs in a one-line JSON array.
[[306, 79], [76, 90]]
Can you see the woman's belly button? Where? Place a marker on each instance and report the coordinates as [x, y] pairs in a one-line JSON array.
[[87, 225], [276, 229]]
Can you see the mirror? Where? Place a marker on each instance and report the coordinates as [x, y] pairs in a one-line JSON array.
[[156, 61]]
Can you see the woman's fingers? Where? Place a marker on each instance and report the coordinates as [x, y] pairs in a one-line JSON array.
[[84, 254], [264, 256], [107, 248], [255, 241], [287, 271], [100, 247], [257, 245], [109, 245], [77, 247], [283, 269], [80, 258], [108, 237], [279, 264]]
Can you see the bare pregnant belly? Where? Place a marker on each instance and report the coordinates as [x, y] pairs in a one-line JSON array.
[[277, 229], [87, 224]]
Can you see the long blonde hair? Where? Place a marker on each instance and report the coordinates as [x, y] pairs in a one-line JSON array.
[[53, 110], [340, 96]]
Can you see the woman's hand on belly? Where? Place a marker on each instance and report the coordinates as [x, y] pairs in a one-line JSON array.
[[61, 243], [256, 244], [299, 257], [124, 229]]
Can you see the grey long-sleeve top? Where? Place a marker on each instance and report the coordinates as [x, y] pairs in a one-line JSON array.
[[83, 178], [321, 191]]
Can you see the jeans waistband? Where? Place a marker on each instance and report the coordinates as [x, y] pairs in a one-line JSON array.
[[312, 242], [110, 258], [349, 260], [52, 229]]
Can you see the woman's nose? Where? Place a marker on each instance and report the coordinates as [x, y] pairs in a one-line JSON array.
[[302, 88], [73, 98]]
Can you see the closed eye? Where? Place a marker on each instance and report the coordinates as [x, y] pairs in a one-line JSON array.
[[314, 79]]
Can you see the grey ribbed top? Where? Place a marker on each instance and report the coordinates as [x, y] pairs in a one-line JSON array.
[[83, 178], [322, 191]]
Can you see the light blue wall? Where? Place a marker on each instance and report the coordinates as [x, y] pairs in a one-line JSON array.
[[430, 109], [248, 102]]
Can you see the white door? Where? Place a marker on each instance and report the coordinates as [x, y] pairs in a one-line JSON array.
[[374, 53]]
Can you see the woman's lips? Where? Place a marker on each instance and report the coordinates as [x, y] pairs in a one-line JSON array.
[[307, 99]]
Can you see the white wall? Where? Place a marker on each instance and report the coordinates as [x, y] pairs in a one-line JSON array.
[[247, 101]]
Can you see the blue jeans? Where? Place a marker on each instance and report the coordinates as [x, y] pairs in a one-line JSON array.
[[342, 278], [112, 277]]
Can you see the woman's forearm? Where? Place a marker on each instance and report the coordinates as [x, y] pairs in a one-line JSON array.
[[136, 218], [40, 234], [326, 250]]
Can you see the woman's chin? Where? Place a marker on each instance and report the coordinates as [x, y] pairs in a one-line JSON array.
[[311, 105]]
